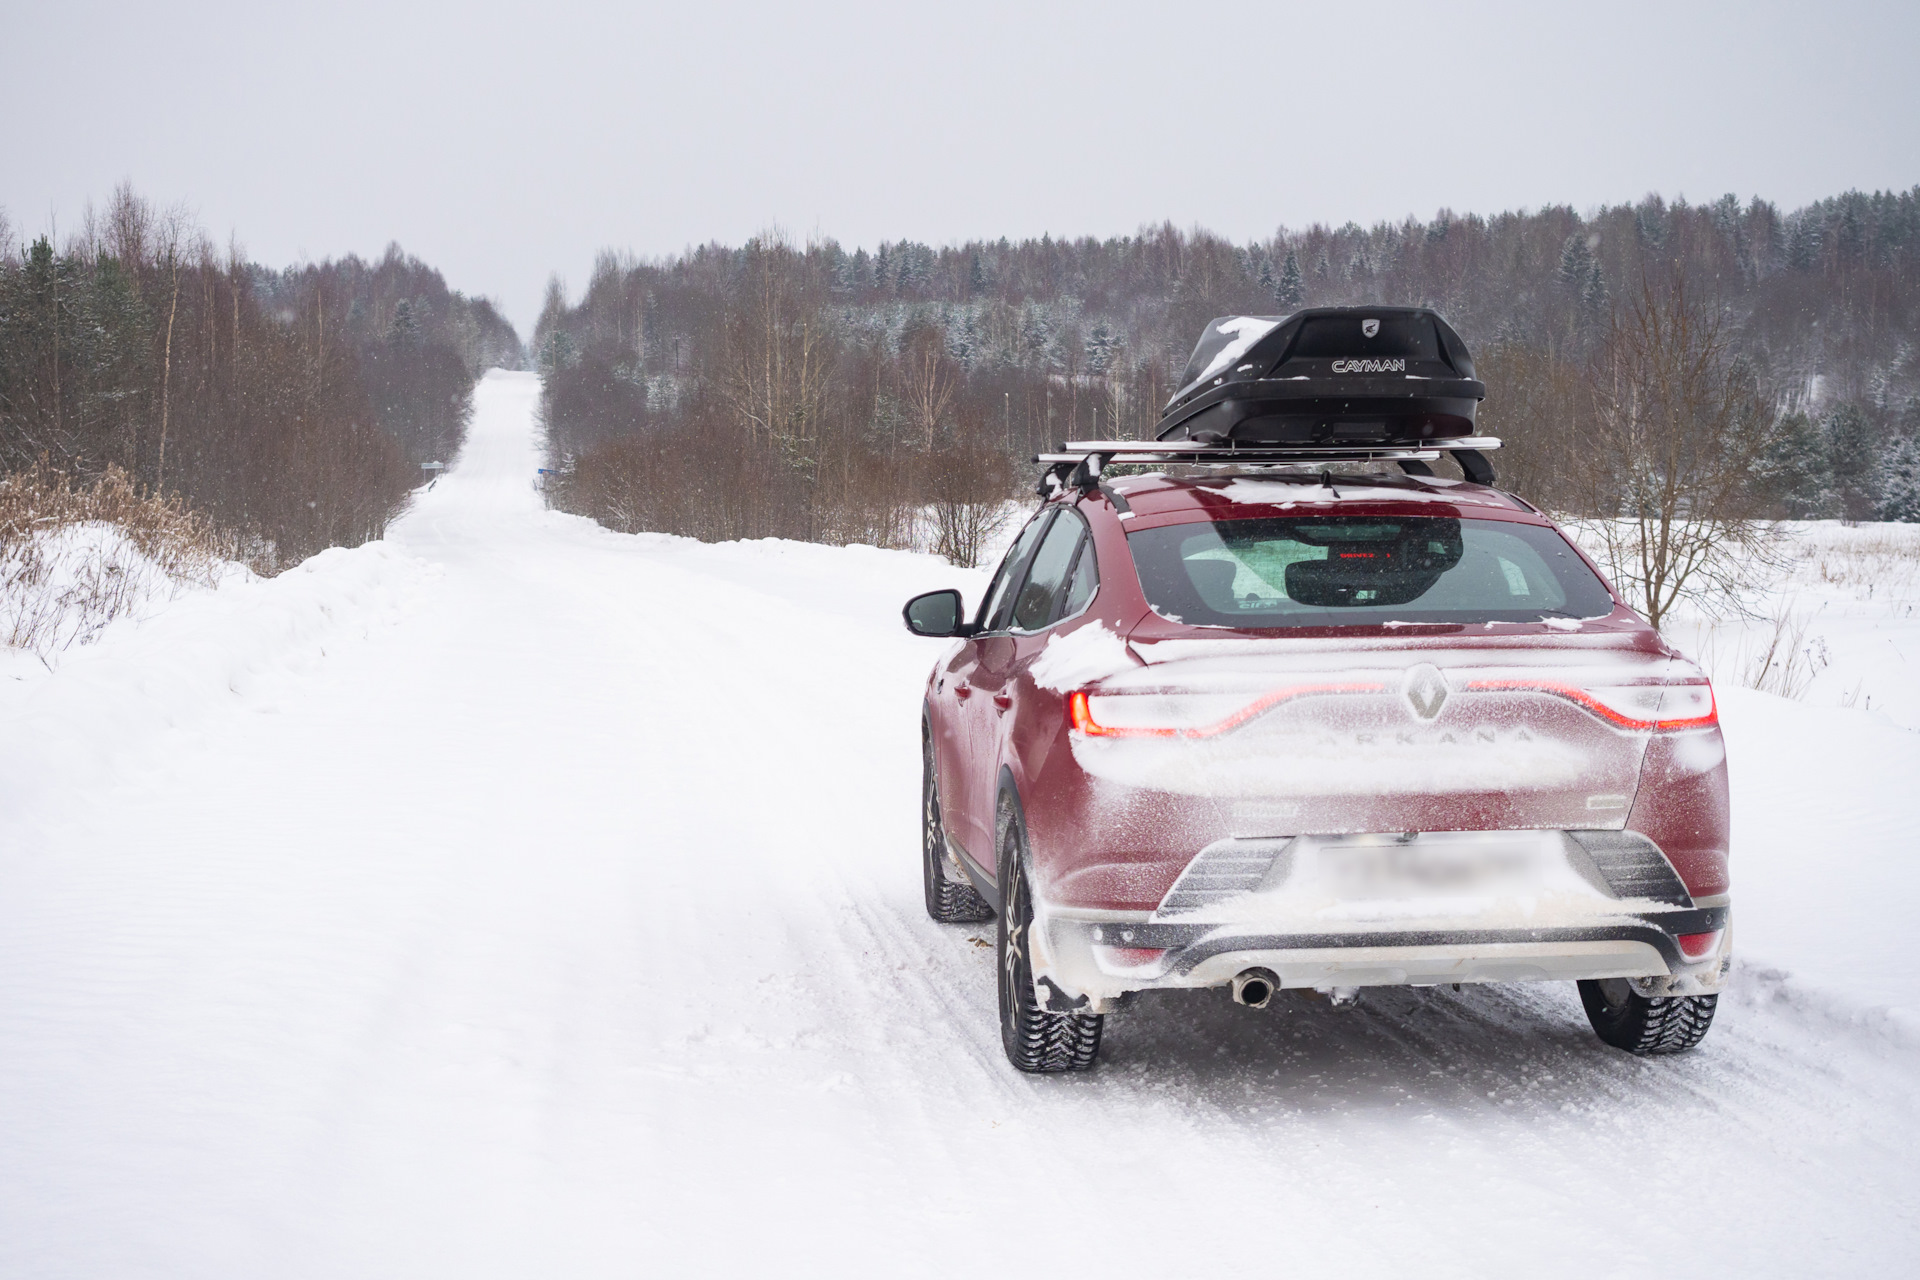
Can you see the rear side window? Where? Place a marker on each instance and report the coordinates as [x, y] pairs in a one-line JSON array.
[[1084, 582], [1356, 570], [994, 610], [1040, 595]]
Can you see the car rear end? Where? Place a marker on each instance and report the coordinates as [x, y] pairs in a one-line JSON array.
[[1362, 743]]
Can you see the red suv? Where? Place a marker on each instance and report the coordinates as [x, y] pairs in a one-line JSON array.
[[1274, 728]]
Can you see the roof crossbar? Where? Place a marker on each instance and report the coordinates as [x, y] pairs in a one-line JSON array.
[[1078, 464], [1127, 451]]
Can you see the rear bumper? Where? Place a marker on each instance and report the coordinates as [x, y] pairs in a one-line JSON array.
[[1089, 962]]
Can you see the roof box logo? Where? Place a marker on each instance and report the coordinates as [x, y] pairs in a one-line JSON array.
[[1369, 366], [1369, 328]]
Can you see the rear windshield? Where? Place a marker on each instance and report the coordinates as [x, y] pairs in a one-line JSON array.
[[1359, 570]]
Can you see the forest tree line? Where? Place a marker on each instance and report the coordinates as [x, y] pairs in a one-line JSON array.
[[812, 392], [293, 408]]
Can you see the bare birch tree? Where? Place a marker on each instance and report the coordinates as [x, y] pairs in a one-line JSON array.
[[779, 354]]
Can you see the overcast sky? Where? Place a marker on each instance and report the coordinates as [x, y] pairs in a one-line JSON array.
[[503, 143]]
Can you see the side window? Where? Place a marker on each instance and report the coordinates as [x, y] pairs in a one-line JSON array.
[[1035, 604], [999, 602], [1084, 582]]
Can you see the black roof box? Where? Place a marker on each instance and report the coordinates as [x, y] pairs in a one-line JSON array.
[[1327, 375]]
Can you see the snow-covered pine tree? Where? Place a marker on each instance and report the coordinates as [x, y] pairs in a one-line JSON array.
[[1849, 233], [1803, 242], [1899, 479], [1291, 291], [1576, 263], [1103, 348], [963, 338], [1036, 335], [1593, 295], [1852, 460], [403, 330], [1796, 473], [977, 282]]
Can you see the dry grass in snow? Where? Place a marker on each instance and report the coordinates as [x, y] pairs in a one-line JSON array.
[[1837, 624], [74, 556]]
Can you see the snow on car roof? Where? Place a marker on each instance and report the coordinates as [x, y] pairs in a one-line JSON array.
[[1160, 494]]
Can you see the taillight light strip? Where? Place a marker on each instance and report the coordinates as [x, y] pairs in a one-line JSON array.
[[1082, 716], [1593, 704]]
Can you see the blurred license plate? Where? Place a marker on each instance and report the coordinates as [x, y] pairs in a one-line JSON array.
[[1429, 866]]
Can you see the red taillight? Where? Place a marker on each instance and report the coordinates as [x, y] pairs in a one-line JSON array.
[[1083, 720], [1697, 946], [1605, 712], [1080, 713]]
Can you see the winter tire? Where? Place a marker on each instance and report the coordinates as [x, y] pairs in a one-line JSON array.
[[947, 901], [1641, 1024], [1036, 1039]]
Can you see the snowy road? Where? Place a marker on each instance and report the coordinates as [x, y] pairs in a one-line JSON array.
[[515, 898]]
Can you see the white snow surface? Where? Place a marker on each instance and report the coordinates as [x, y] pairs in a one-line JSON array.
[[513, 897]]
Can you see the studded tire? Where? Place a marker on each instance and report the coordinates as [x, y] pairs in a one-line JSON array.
[[948, 901], [1645, 1025], [1036, 1039]]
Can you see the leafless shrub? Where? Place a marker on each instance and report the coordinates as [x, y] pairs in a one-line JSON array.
[[1679, 433], [967, 494]]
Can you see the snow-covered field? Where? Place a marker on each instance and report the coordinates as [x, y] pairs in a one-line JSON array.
[[516, 898]]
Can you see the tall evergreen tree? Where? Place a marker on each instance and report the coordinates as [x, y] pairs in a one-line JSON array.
[[1594, 293], [1898, 479], [977, 283], [1853, 460], [1291, 291], [1803, 243], [1796, 473], [404, 330], [1103, 347], [1576, 263]]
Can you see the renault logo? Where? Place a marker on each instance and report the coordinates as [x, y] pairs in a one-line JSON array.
[[1368, 328], [1425, 690]]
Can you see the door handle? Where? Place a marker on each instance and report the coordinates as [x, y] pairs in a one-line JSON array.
[[1004, 701], [963, 691]]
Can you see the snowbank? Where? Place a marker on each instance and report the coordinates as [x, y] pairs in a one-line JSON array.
[[180, 653]]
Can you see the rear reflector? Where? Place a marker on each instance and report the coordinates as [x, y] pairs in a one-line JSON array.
[[1131, 956], [1697, 946]]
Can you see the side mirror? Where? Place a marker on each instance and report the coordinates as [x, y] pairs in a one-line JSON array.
[[937, 613]]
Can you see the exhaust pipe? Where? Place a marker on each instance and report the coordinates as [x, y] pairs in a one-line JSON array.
[[1254, 988]]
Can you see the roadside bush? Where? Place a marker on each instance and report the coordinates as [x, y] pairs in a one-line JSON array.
[[73, 557]]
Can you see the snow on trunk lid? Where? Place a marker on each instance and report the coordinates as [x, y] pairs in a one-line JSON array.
[[1328, 738]]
